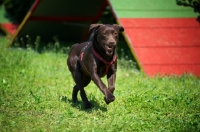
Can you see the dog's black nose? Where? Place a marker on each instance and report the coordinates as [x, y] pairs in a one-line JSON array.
[[112, 42]]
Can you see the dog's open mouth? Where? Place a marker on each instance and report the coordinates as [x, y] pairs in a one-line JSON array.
[[108, 49]]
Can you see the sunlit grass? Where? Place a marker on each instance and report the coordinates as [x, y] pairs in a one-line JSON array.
[[35, 95]]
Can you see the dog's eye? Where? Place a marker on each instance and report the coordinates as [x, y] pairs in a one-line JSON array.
[[115, 34], [104, 34]]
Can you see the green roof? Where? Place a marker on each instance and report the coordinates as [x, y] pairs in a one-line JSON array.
[[151, 9]]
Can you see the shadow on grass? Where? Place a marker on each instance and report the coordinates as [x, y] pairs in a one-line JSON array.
[[79, 105]]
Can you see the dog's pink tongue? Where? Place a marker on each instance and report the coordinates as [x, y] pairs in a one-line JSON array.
[[109, 52], [109, 49]]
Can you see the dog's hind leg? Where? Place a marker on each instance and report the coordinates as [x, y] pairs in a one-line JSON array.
[[81, 81], [87, 104], [74, 94]]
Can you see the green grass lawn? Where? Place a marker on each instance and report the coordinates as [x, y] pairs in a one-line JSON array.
[[35, 95]]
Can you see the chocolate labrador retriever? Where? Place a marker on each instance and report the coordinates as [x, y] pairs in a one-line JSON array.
[[95, 59]]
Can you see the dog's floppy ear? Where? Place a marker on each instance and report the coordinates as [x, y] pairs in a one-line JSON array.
[[121, 29], [95, 26]]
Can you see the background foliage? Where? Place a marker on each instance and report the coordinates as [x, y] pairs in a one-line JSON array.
[[195, 4], [17, 9]]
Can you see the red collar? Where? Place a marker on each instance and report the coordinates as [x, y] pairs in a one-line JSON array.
[[101, 59], [108, 64]]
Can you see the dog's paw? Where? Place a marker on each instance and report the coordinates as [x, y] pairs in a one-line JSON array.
[[110, 98], [88, 105]]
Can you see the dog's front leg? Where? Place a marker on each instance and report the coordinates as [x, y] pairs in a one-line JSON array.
[[97, 80], [108, 95], [111, 82]]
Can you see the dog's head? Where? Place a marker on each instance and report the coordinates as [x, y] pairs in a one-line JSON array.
[[106, 36]]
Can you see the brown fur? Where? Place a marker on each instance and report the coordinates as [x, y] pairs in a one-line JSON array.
[[85, 67]]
